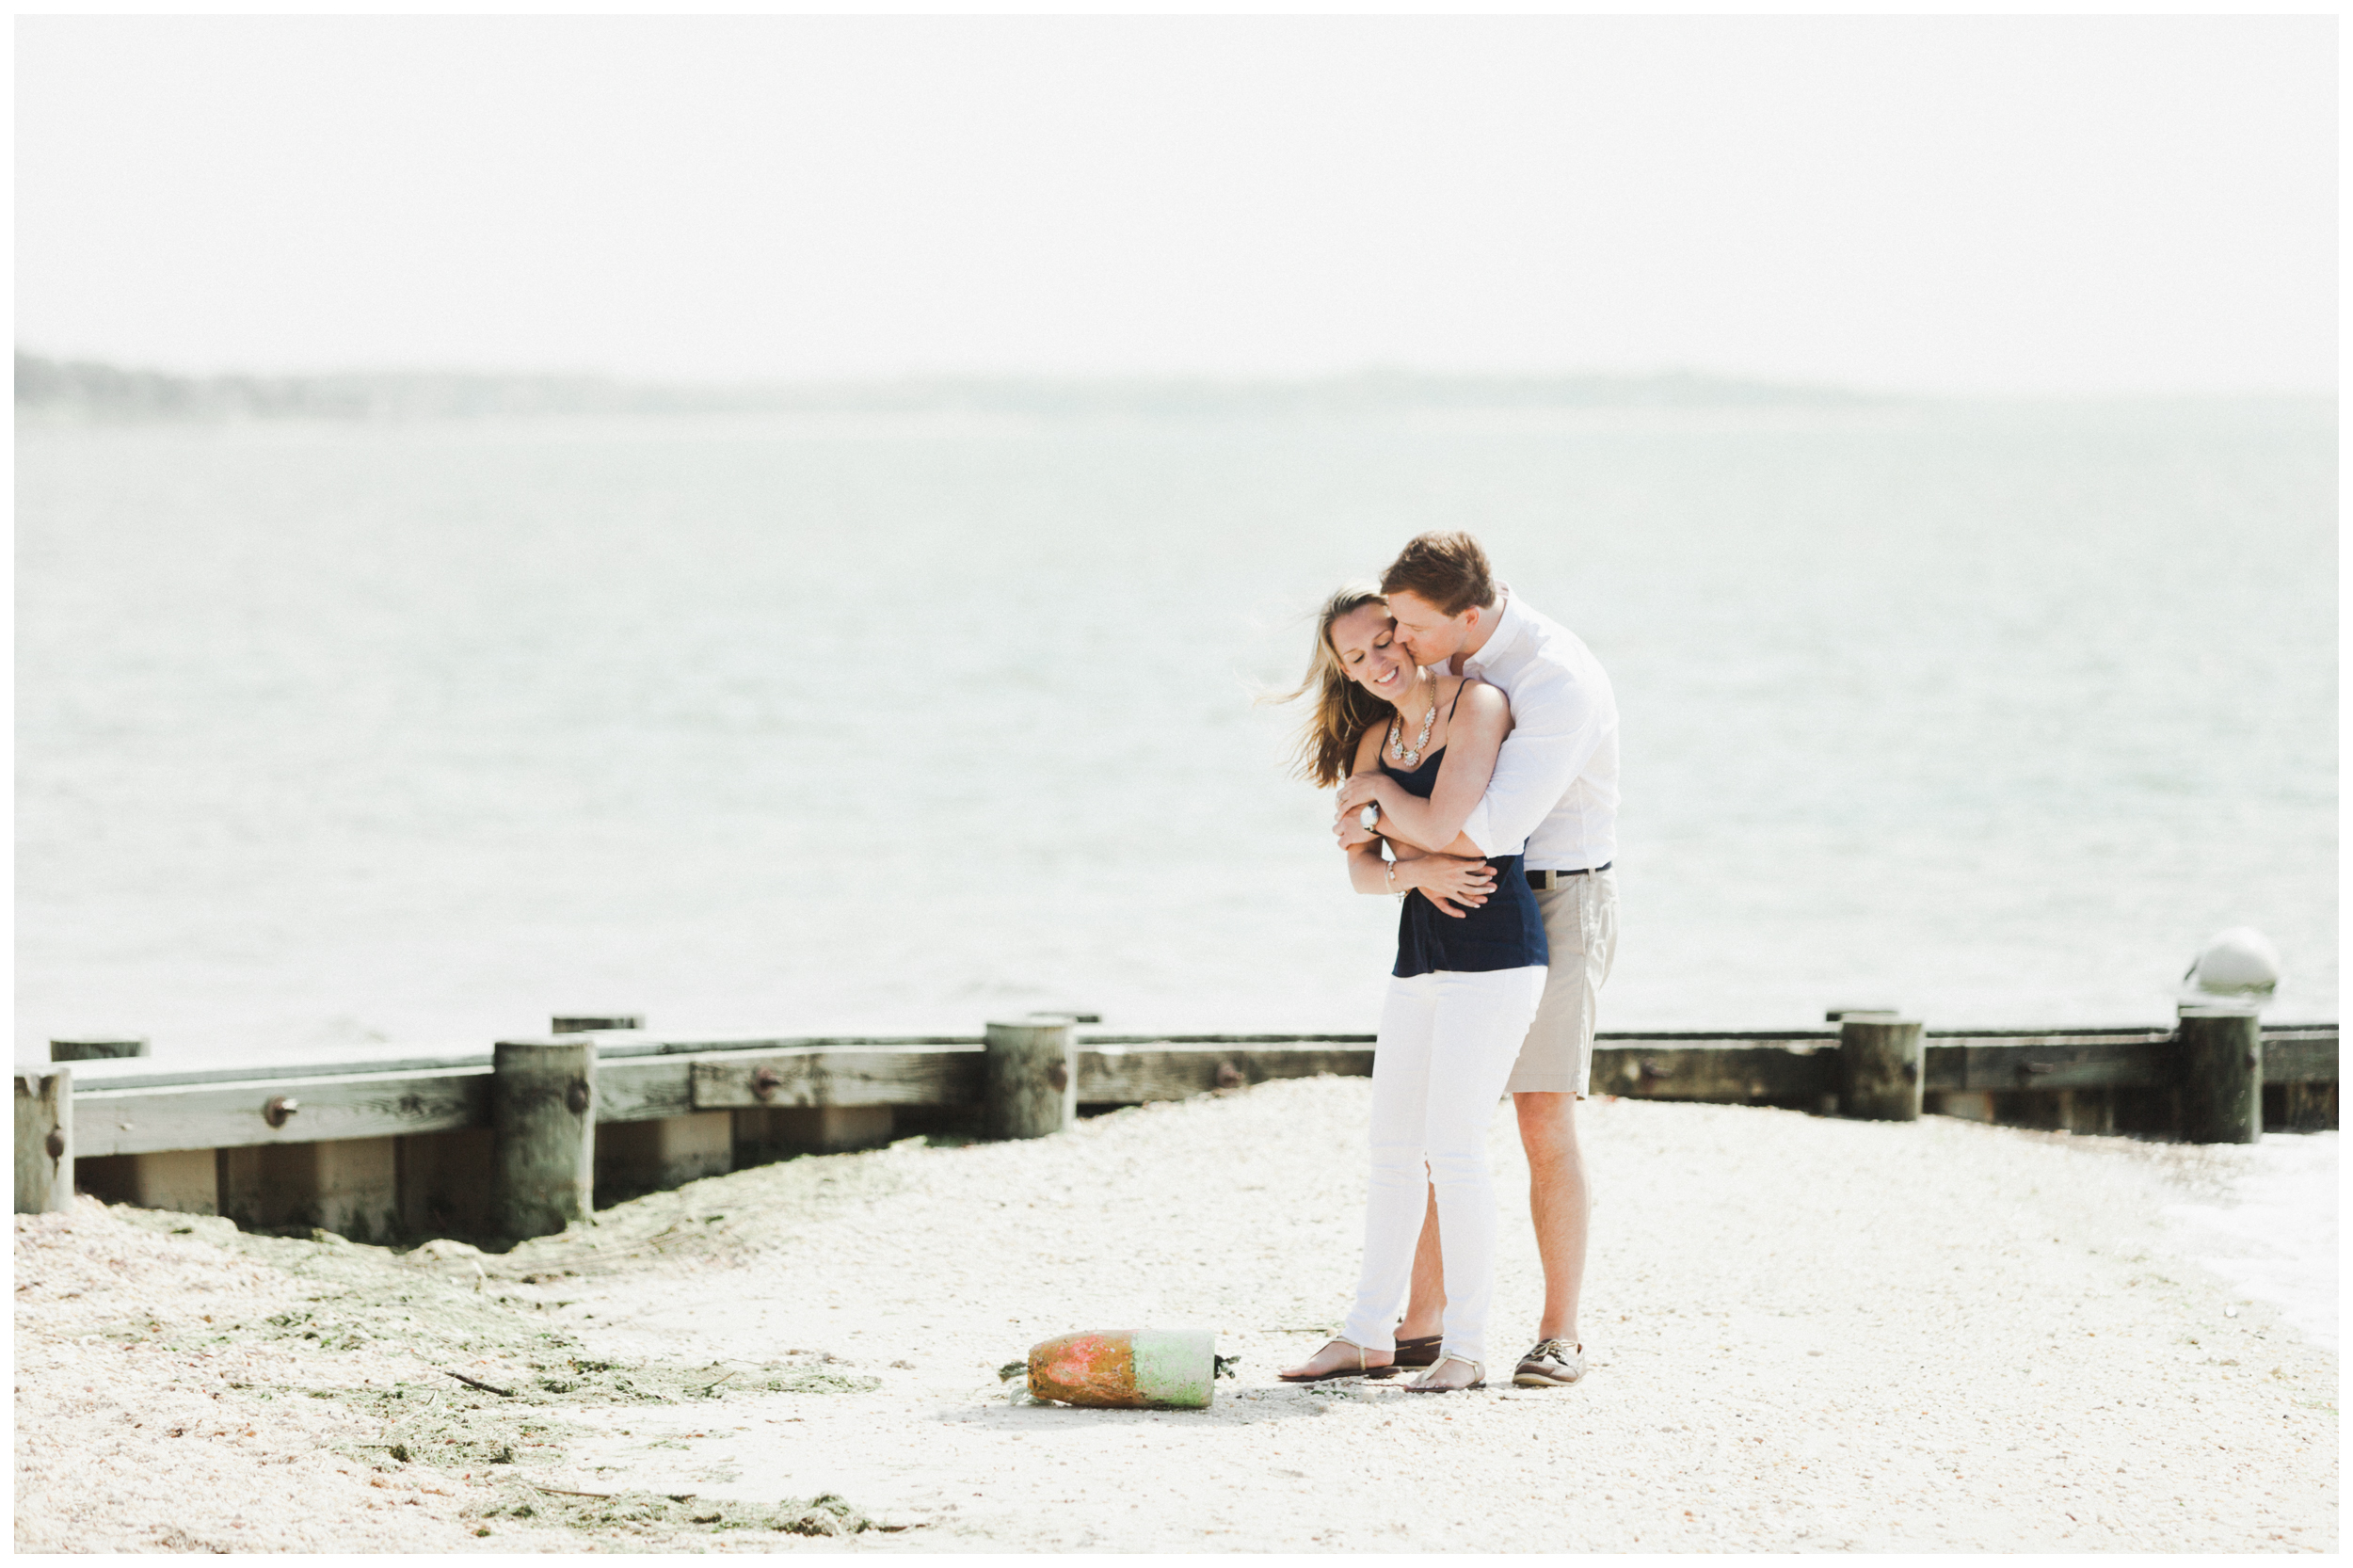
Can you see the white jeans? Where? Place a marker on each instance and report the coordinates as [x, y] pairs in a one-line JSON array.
[[1447, 1044]]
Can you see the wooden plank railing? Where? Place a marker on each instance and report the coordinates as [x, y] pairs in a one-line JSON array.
[[148, 1108], [136, 1108], [151, 1118]]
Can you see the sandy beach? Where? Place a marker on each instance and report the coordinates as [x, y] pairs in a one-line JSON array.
[[1806, 1334]]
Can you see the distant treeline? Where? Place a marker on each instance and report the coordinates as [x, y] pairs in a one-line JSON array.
[[84, 390]]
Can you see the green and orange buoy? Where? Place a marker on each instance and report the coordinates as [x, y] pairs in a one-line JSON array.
[[1128, 1368]]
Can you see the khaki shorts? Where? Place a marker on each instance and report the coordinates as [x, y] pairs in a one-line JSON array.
[[1581, 929]]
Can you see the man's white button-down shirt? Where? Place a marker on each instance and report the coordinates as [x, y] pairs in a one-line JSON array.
[[1556, 779]]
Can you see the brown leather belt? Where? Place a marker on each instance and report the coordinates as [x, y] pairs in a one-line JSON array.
[[1545, 881]]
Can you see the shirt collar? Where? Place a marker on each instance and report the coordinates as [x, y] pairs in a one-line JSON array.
[[1510, 624]]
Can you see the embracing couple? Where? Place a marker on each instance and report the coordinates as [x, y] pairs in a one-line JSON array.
[[1476, 742]]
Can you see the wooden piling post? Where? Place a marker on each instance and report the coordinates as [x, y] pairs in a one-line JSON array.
[[543, 1119], [44, 1142], [1030, 1079], [97, 1047], [2222, 1075], [1880, 1065]]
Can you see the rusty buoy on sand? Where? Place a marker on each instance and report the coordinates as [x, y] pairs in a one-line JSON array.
[[1127, 1369]]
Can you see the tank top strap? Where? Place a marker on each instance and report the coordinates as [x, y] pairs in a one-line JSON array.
[[1457, 699]]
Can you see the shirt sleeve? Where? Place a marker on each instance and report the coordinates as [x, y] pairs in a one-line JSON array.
[[1557, 723]]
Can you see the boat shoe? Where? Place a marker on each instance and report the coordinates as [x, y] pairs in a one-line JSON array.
[[1553, 1364]]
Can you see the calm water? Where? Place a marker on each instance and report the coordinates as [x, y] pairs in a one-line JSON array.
[[2273, 1236], [332, 734]]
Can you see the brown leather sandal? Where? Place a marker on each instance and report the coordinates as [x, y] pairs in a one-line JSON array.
[[1420, 1351]]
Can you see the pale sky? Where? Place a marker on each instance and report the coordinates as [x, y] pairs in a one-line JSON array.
[[2127, 204]]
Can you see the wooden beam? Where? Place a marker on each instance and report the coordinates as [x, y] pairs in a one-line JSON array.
[[217, 1108], [1798, 1042], [2300, 1056], [1694, 1038], [347, 1185], [590, 1023], [1668, 1036], [666, 1151], [761, 1136], [2054, 1061], [923, 1075], [143, 1072], [770, 1045], [308, 1109], [109, 1047], [2308, 1106], [1753, 1075], [1124, 1075], [644, 1088], [2028, 1037], [1092, 1041], [187, 1181], [444, 1181]]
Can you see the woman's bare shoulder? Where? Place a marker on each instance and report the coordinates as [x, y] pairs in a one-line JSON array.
[[1368, 750], [1481, 701]]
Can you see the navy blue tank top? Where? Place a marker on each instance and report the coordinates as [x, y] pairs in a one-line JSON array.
[[1505, 932]]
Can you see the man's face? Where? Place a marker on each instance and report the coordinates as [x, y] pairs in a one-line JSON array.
[[1431, 638]]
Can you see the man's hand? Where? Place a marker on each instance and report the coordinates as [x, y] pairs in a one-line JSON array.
[[1351, 832], [1448, 880]]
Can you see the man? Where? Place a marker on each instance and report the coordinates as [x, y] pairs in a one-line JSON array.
[[1556, 785]]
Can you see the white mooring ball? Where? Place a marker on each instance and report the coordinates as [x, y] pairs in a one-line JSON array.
[[2240, 962]]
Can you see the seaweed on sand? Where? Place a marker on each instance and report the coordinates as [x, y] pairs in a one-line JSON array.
[[484, 1377], [659, 1513]]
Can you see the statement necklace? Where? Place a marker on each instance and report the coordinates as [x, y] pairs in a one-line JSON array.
[[1429, 717]]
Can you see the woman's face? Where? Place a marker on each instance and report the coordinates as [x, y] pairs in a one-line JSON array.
[[1365, 640]]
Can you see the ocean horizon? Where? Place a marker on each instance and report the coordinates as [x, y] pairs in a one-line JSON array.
[[340, 731]]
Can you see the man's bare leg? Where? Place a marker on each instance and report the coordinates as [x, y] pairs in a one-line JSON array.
[[1560, 1203], [1425, 1305]]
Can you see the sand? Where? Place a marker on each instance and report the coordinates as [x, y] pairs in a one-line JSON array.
[[1806, 1334]]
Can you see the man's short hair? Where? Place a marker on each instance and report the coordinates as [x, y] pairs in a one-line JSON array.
[[1447, 570]]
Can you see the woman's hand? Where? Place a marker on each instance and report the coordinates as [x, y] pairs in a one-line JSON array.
[[1448, 880]]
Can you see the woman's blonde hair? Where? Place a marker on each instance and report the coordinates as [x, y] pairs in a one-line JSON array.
[[1342, 710]]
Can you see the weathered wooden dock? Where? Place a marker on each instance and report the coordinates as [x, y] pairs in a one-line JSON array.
[[522, 1138]]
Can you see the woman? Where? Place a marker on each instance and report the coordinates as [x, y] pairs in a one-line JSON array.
[[1412, 749]]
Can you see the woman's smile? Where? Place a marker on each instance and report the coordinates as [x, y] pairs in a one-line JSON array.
[[1365, 641]]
